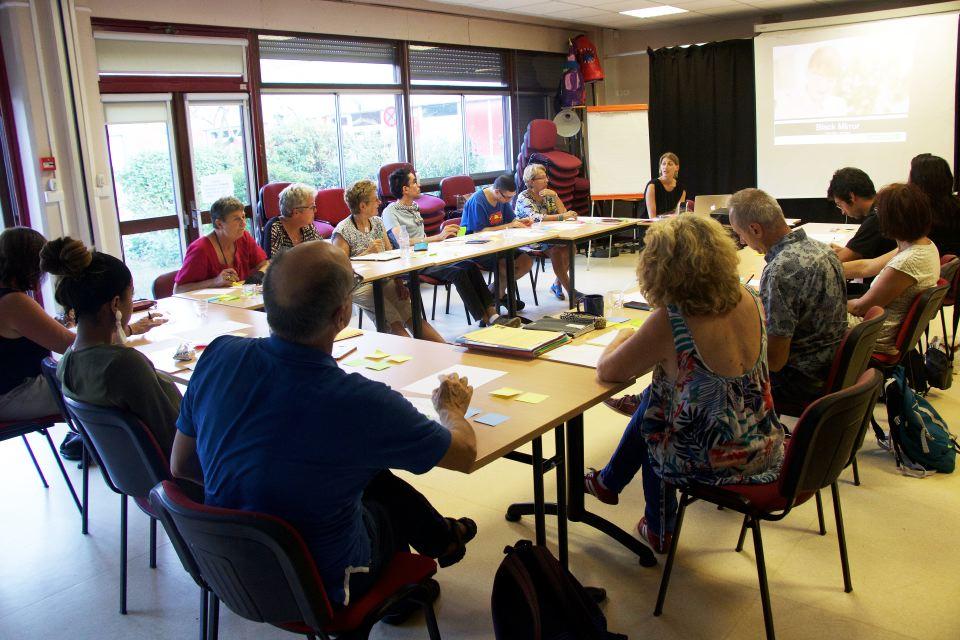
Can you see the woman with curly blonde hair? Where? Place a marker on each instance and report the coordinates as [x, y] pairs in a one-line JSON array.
[[708, 414]]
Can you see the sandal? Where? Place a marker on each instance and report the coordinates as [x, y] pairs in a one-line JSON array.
[[464, 530]]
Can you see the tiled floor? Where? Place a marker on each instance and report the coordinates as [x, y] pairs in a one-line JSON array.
[[901, 532]]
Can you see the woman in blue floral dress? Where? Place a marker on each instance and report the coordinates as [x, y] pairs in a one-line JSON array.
[[707, 415]]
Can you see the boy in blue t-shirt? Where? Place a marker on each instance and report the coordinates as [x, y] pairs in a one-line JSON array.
[[489, 209]]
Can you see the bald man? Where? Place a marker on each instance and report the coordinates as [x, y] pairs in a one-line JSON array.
[[274, 425]]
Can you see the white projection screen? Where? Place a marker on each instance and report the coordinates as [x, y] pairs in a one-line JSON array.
[[870, 95]]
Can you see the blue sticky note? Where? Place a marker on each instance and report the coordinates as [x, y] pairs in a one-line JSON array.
[[471, 412], [420, 246], [492, 419]]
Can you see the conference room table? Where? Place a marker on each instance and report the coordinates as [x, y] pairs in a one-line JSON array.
[[569, 392]]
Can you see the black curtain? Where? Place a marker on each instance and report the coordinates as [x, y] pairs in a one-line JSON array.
[[703, 108]]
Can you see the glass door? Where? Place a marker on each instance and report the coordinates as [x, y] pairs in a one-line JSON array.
[[146, 183], [220, 153]]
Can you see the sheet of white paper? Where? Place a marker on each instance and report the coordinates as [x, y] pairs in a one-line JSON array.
[[584, 355], [477, 377], [755, 283], [603, 340], [424, 406], [634, 296], [206, 333]]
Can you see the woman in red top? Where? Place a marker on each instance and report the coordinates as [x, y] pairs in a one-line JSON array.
[[226, 255]]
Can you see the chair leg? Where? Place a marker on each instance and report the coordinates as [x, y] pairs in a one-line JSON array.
[[448, 299], [762, 576], [823, 526], [204, 603], [153, 543], [533, 286], [841, 537], [85, 492], [433, 311], [123, 554], [359, 318], [856, 472], [743, 533], [433, 631], [946, 340], [63, 470], [668, 569], [214, 622], [36, 465], [956, 323]]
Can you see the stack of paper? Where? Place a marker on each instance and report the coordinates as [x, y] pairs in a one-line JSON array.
[[511, 341]]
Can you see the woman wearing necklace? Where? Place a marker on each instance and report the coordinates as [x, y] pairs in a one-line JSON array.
[[226, 255], [664, 193], [362, 233], [295, 223]]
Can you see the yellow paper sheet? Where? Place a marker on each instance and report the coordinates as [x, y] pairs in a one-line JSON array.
[[348, 332], [505, 392], [397, 359], [502, 336], [532, 398], [377, 355]]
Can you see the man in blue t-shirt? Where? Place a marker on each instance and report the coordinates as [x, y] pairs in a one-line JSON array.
[[274, 425], [489, 210]]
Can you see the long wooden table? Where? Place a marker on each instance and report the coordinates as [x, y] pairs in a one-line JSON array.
[[570, 391]]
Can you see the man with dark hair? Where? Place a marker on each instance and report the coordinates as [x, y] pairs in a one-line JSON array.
[[274, 425], [465, 276], [853, 192], [490, 210]]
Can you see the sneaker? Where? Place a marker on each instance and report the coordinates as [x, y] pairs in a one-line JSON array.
[[557, 290], [652, 539], [627, 405], [507, 321], [402, 611], [594, 486]]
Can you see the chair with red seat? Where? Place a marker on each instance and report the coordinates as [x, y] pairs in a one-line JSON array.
[[823, 442], [428, 204], [163, 285], [453, 186], [268, 206], [261, 568], [950, 271], [331, 207], [131, 462], [923, 309]]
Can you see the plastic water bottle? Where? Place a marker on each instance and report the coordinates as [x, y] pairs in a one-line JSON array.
[[403, 241]]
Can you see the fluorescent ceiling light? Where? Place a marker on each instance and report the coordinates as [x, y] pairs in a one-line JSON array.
[[654, 12]]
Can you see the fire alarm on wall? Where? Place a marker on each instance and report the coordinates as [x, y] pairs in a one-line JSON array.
[[48, 163]]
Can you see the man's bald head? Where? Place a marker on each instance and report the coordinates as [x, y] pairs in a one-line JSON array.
[[304, 288]]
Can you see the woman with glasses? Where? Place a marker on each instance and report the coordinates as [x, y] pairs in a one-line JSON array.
[[541, 204], [295, 224], [363, 233], [226, 255]]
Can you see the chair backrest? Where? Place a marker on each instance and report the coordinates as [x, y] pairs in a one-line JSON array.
[[541, 135], [827, 436], [454, 186], [268, 204], [163, 285], [331, 207], [257, 564], [195, 493], [443, 225], [131, 460], [432, 221], [854, 351], [384, 179], [49, 369], [925, 306], [950, 271]]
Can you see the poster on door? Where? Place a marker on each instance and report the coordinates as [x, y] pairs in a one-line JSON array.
[[215, 186]]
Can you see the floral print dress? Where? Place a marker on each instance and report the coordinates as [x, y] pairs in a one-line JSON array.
[[710, 428]]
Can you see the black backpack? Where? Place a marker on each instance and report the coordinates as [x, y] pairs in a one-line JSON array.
[[534, 598]]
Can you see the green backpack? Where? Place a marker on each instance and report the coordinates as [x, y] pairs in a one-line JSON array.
[[921, 440]]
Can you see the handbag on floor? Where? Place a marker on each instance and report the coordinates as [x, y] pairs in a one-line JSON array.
[[535, 598], [921, 441]]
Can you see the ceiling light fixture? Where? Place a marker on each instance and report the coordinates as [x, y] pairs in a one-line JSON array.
[[654, 12]]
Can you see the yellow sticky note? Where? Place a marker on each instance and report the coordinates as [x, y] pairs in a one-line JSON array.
[[397, 359], [505, 392], [378, 366], [532, 398], [376, 355]]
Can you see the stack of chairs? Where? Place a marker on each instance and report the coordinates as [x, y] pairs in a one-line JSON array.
[[563, 169]]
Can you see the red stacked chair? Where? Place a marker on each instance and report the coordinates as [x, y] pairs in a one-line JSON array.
[[454, 186], [563, 169], [428, 204], [331, 209]]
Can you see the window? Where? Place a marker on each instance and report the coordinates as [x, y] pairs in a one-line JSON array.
[[330, 140], [456, 134], [451, 66], [302, 60]]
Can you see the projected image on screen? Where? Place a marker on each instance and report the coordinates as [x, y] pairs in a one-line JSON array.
[[842, 91]]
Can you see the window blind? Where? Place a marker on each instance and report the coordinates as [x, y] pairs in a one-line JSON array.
[[449, 66], [327, 50]]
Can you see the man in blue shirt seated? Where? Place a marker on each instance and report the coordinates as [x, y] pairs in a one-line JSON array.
[[489, 209], [274, 425]]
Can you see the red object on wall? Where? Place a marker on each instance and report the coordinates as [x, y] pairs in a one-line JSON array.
[[588, 59], [48, 163]]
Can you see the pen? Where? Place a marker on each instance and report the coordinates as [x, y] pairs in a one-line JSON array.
[[346, 353], [149, 316]]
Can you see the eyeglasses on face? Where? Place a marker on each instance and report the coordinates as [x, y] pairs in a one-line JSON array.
[[312, 207]]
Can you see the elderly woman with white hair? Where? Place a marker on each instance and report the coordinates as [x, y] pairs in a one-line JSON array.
[[543, 204], [295, 224]]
